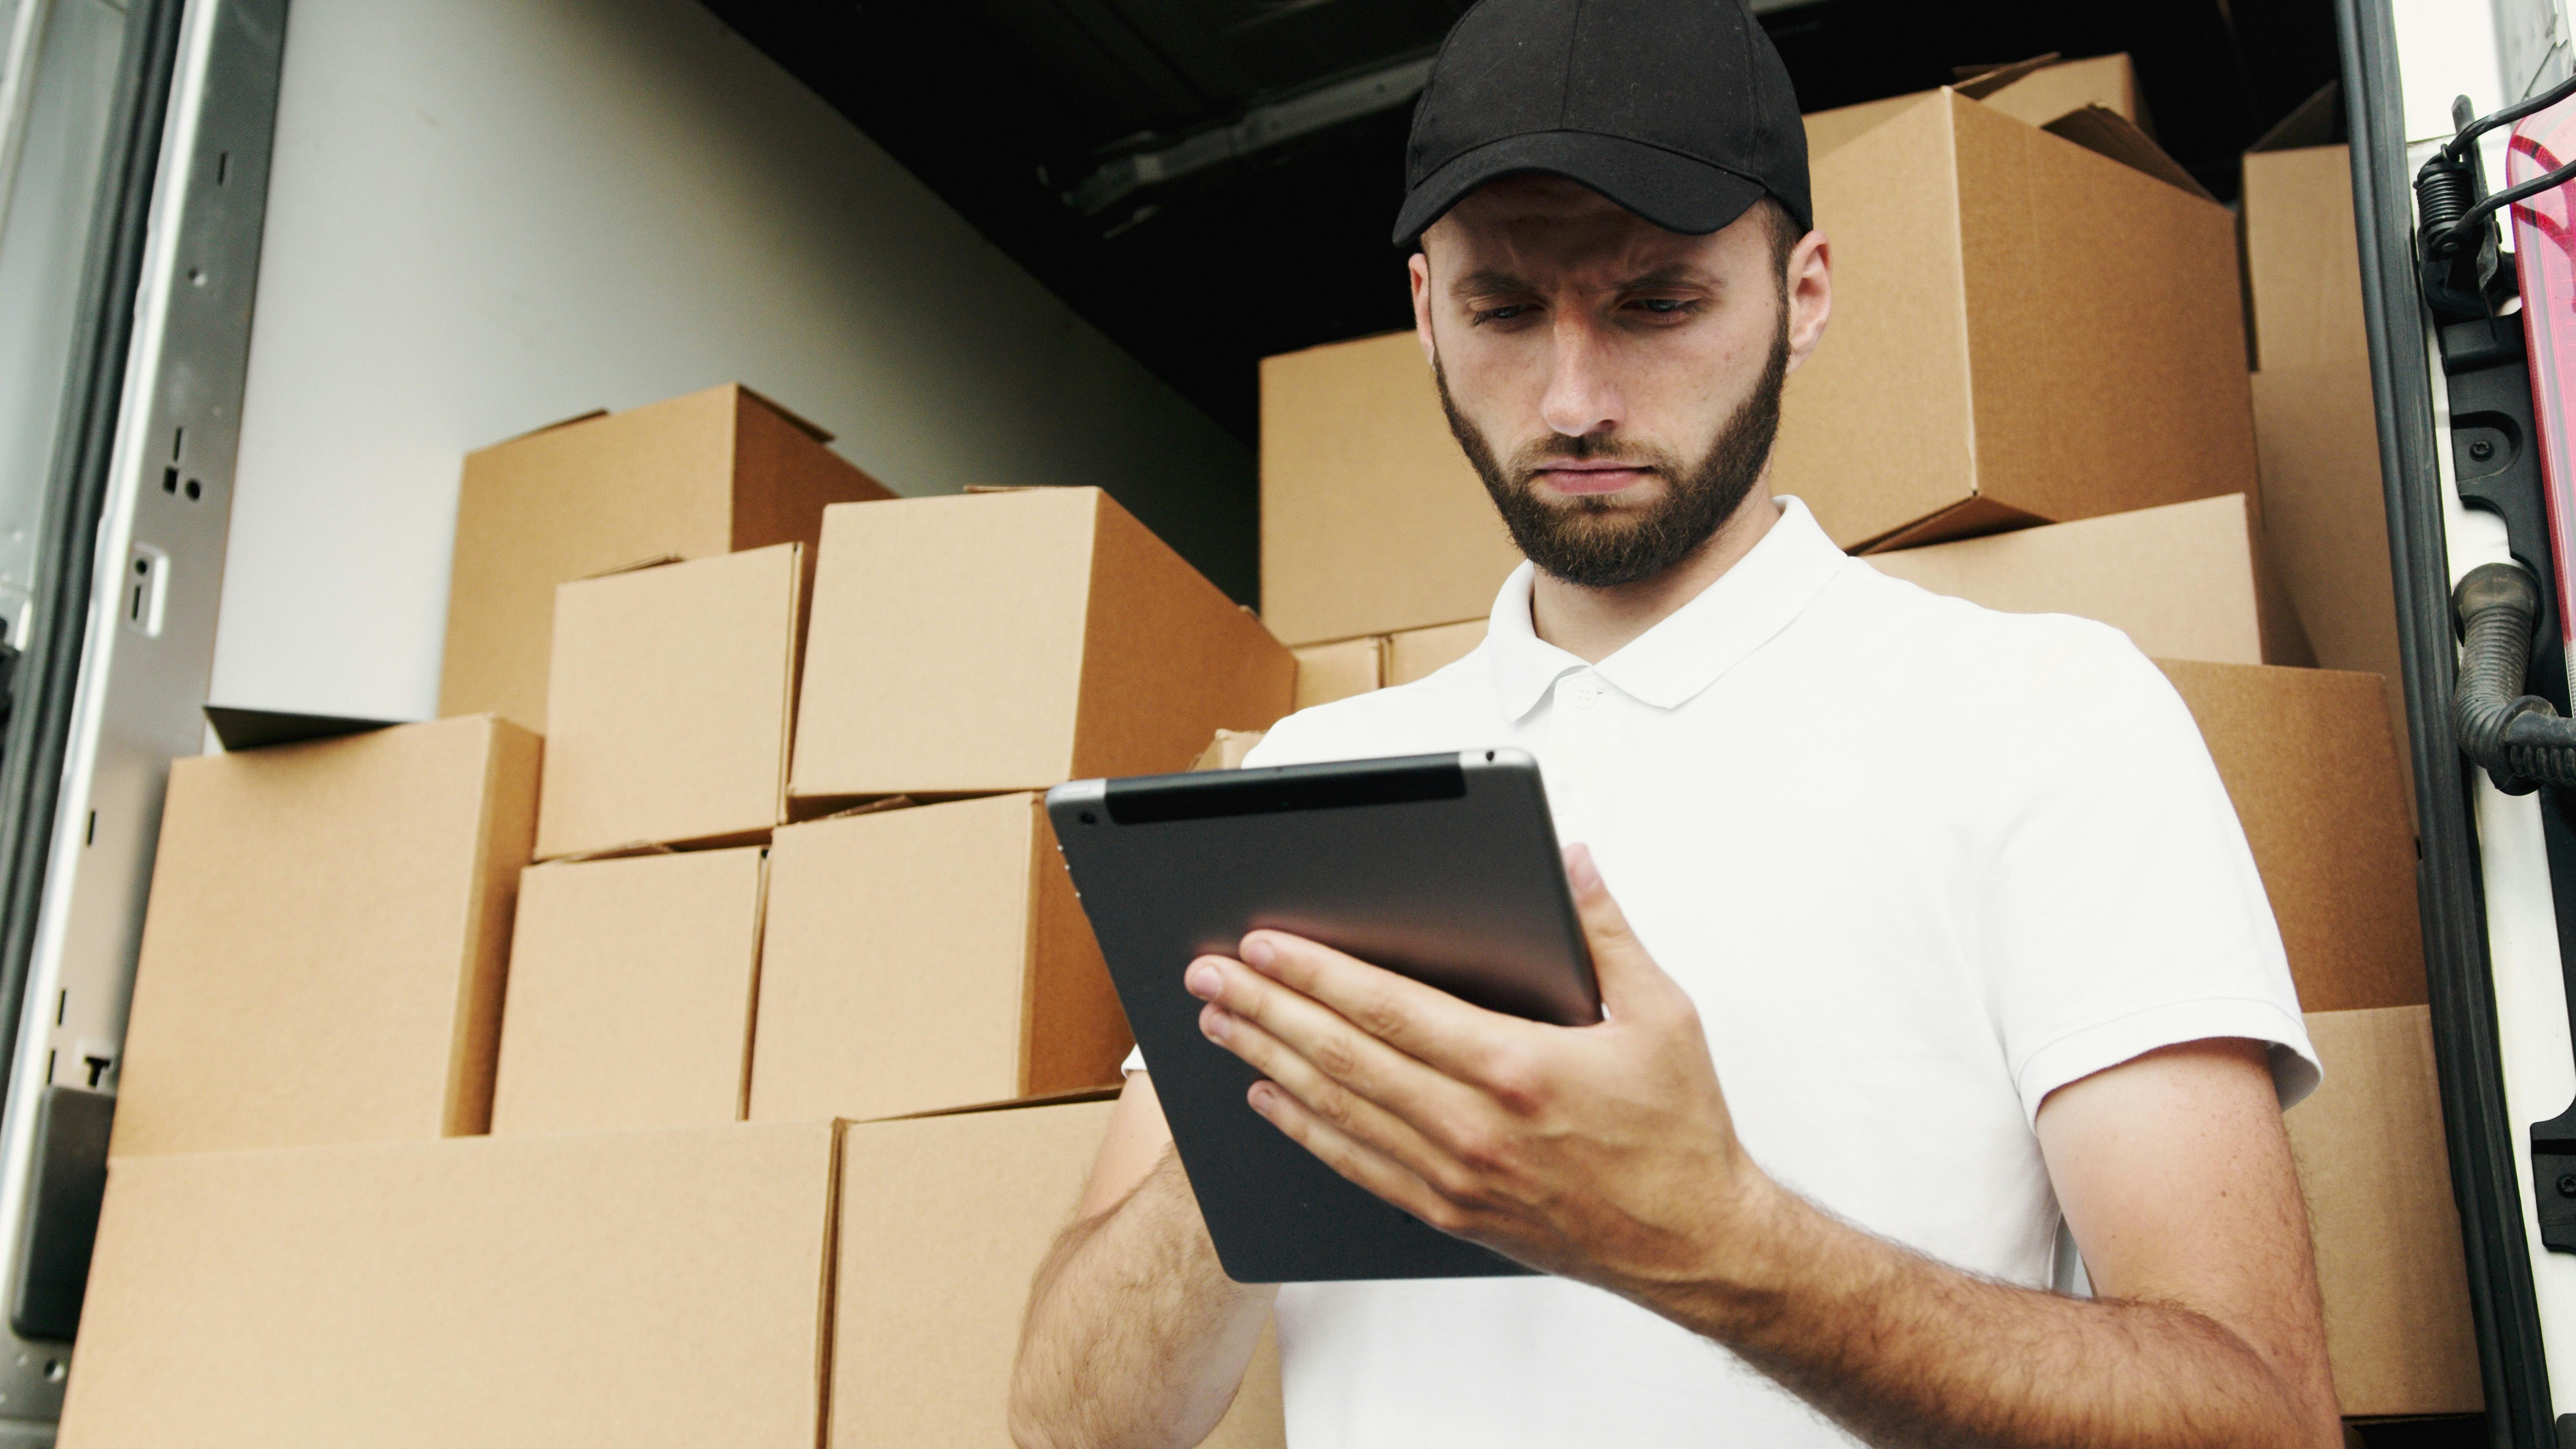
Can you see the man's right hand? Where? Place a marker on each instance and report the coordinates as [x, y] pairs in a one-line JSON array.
[[1134, 1335]]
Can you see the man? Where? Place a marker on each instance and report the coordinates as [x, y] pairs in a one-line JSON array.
[[1934, 928]]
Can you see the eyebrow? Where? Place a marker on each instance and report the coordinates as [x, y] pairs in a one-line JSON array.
[[1489, 281]]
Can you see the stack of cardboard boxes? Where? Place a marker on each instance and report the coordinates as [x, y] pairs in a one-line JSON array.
[[746, 1112], [724, 1079], [2034, 393]]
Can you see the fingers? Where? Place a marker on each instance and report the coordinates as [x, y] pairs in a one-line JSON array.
[[1339, 1107], [1373, 1170], [1423, 1022], [1630, 980], [1331, 1045]]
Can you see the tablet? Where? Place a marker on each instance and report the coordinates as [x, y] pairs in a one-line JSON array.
[[1443, 867]]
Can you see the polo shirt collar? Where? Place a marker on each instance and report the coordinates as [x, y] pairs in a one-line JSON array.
[[1690, 648]]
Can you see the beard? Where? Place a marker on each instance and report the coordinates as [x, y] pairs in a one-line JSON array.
[[1595, 544]]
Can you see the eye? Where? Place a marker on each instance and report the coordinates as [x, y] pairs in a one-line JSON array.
[[1507, 313], [1666, 306]]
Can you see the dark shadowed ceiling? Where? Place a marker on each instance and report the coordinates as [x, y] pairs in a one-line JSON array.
[[1211, 181]]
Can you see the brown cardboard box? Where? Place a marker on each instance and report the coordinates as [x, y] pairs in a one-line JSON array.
[[671, 701], [2184, 581], [324, 953], [1013, 641], [1327, 672], [2318, 430], [1421, 653], [2033, 93], [631, 993], [1371, 518], [640, 1289], [1227, 750], [2311, 765], [2303, 257], [2025, 329], [927, 958], [944, 1222], [709, 473], [2377, 1179]]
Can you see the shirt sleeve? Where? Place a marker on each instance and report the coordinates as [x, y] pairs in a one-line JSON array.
[[2124, 912]]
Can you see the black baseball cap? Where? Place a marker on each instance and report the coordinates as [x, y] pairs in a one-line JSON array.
[[1678, 110]]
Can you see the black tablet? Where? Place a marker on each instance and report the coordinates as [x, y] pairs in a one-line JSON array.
[[1443, 867]]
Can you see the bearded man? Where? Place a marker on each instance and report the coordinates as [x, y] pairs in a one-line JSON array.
[[1936, 942]]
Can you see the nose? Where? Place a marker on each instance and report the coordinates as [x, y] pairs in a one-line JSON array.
[[1582, 398]]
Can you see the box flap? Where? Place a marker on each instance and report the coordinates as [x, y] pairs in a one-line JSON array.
[[810, 429], [628, 851], [550, 427], [638, 566], [1979, 82], [2106, 132], [2319, 121], [239, 729]]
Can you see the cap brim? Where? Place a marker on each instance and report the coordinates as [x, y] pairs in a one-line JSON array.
[[1676, 192]]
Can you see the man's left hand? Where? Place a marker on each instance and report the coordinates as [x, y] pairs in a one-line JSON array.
[[1602, 1153]]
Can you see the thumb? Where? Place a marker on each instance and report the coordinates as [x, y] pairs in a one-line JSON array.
[[1631, 983]]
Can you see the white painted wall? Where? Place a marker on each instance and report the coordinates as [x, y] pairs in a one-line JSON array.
[[490, 214]]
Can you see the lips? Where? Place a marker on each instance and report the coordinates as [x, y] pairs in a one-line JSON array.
[[1581, 482]]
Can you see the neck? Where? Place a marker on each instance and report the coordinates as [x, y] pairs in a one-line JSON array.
[[1593, 624]]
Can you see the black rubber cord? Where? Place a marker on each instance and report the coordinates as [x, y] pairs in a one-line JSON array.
[[2519, 739]]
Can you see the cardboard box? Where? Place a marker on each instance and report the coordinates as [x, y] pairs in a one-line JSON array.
[[1013, 641], [2310, 762], [323, 956], [2184, 581], [2035, 92], [944, 1223], [632, 1288], [1327, 672], [673, 694], [928, 958], [2302, 254], [1421, 653], [713, 472], [631, 993], [2025, 329], [2376, 1174], [1371, 518], [2318, 429], [1227, 750]]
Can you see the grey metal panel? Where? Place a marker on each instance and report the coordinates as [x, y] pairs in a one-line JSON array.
[[157, 576]]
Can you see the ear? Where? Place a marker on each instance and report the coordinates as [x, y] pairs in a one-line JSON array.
[[1418, 268], [1810, 284]]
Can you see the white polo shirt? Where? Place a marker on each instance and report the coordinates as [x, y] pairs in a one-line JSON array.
[[1919, 864]]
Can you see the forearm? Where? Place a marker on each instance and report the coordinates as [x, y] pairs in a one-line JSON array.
[[1135, 1338], [1907, 1353]]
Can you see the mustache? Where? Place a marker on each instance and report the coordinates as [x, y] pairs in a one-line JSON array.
[[1530, 457]]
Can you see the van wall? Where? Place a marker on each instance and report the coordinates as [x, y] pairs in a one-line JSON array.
[[488, 215]]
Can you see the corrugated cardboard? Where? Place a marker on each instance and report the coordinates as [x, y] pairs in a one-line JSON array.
[[631, 993], [672, 700], [709, 473], [1371, 518], [2024, 330], [2184, 581], [1420, 653], [2303, 258], [1227, 750], [2318, 429], [2311, 765], [1327, 672], [2035, 95], [329, 928], [944, 1223], [652, 1290], [922, 959], [2376, 1175], [1013, 641]]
